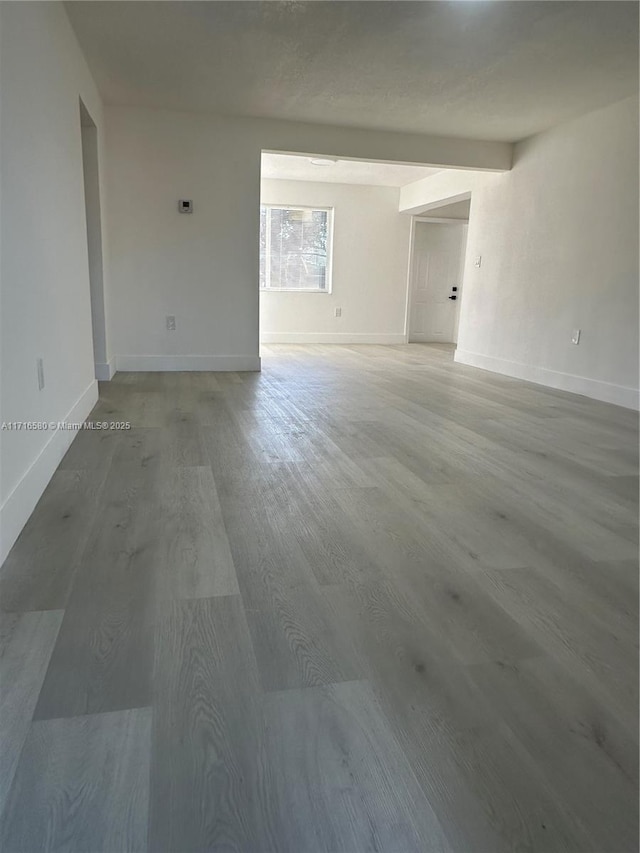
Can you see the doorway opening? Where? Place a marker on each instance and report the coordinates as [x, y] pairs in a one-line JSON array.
[[89, 134], [333, 250], [435, 287]]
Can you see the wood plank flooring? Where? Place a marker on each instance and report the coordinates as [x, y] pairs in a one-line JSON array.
[[366, 600]]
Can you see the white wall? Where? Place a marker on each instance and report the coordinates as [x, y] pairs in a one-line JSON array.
[[369, 270], [456, 210], [448, 186], [203, 268], [44, 265], [93, 211], [558, 236]]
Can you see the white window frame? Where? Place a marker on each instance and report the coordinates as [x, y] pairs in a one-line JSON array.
[[329, 267]]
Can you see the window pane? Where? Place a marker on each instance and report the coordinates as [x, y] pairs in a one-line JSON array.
[[263, 246], [298, 248]]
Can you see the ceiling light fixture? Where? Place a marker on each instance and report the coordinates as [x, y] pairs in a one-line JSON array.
[[323, 161]]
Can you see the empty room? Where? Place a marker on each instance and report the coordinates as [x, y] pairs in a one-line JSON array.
[[319, 426]]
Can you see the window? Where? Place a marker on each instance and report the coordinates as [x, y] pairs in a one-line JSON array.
[[295, 248]]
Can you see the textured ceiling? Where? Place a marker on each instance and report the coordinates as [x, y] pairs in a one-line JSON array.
[[296, 168], [487, 70]]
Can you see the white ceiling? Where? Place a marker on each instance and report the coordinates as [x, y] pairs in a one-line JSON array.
[[487, 70], [298, 168]]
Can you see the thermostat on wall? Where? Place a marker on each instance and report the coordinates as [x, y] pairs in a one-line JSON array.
[[185, 205]]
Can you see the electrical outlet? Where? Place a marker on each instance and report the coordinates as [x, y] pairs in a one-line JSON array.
[[575, 336], [478, 261], [40, 368], [171, 323], [337, 312]]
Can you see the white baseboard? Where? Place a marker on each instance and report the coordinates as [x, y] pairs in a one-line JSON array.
[[330, 338], [21, 502], [607, 392], [105, 371], [144, 363]]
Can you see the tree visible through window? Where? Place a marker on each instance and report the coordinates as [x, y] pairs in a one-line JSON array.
[[294, 248]]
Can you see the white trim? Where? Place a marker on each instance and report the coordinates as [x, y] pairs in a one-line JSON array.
[[105, 371], [330, 338], [607, 392], [146, 363], [441, 220], [270, 289], [461, 288], [410, 272], [274, 206], [21, 501]]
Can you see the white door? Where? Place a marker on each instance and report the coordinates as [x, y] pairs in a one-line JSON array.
[[438, 254]]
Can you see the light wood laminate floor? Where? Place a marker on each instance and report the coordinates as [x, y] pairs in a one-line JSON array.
[[367, 600]]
